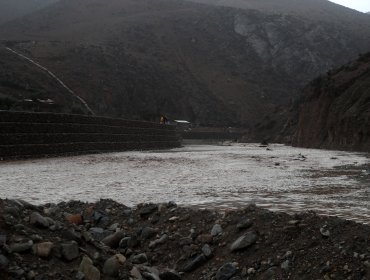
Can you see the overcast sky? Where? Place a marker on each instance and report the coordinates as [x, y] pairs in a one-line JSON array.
[[361, 5]]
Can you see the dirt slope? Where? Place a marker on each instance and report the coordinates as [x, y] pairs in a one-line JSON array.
[[336, 110]]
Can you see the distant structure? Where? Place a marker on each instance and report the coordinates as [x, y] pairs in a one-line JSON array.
[[182, 124]]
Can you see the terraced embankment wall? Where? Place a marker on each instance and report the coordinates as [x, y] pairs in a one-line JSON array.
[[25, 135]]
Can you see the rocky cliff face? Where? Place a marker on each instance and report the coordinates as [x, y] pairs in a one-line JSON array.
[[336, 111], [212, 65]]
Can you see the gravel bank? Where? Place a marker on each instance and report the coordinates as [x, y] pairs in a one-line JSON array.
[[107, 240]]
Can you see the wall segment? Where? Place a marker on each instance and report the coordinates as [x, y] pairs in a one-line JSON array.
[[24, 134]]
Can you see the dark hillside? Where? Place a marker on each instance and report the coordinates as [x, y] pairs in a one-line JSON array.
[[26, 87], [336, 111], [212, 65]]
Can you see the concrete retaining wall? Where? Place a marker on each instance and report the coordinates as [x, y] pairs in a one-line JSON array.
[[25, 134]]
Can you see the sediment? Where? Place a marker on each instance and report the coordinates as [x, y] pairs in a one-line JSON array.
[[108, 240]]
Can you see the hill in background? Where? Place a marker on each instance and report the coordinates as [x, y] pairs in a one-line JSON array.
[[236, 63]]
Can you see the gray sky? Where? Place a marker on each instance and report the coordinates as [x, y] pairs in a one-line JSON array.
[[361, 5]]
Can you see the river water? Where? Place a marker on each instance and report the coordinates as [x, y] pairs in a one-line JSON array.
[[280, 178]]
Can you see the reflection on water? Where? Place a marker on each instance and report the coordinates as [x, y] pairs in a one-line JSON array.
[[280, 178]]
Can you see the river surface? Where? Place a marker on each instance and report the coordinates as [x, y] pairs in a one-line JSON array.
[[280, 178]]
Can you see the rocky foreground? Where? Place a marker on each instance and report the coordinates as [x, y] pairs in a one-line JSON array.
[[107, 240]]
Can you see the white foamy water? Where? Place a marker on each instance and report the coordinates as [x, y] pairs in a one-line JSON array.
[[202, 175]]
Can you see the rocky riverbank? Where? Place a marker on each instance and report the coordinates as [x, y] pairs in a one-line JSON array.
[[107, 240]]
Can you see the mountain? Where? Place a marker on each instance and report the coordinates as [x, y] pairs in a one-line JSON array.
[[335, 112], [12, 9], [236, 63], [25, 87]]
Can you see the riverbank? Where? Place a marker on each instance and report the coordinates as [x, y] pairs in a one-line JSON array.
[[107, 240]]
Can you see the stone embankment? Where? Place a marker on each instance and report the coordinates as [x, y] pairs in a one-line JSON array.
[[107, 240], [40, 134]]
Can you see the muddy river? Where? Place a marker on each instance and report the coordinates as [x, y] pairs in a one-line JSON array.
[[279, 178]]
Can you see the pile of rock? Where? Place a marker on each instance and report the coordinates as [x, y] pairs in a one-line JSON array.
[[107, 240]]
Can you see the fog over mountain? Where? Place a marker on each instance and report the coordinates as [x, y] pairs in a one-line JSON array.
[[214, 63], [11, 9]]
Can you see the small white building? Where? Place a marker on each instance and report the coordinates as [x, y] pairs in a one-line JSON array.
[[182, 124]]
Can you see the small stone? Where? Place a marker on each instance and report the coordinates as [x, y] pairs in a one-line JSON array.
[[88, 269], [285, 265], [148, 232], [87, 236], [114, 239], [114, 227], [139, 259], [244, 241], [244, 224], [171, 204], [195, 263], [156, 242], [38, 220], [216, 230], [31, 275], [185, 241], [111, 267], [226, 272], [205, 238], [251, 270], [21, 247], [293, 222], [288, 254], [136, 273], [207, 251], [98, 233], [324, 231], [75, 219], [121, 258], [128, 242], [43, 250], [69, 251], [148, 209], [36, 238], [72, 235]]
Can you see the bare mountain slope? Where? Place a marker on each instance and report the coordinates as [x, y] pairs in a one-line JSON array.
[[24, 86], [210, 64], [336, 110], [12, 9]]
